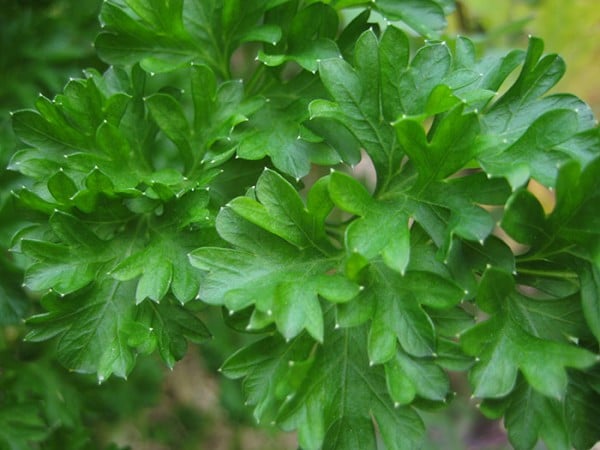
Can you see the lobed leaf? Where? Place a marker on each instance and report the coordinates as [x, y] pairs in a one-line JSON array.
[[324, 392], [516, 339]]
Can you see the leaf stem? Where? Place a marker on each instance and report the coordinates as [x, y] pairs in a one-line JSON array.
[[560, 274]]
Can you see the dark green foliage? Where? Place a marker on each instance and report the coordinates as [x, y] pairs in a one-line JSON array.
[[168, 181]]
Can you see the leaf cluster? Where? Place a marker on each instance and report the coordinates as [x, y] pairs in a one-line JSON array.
[[186, 175]]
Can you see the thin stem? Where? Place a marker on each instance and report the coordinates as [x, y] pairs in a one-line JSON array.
[[560, 274]]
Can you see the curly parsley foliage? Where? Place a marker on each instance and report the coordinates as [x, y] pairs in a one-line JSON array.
[[114, 213], [149, 195]]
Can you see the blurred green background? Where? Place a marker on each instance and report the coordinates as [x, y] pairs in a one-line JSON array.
[[42, 44]]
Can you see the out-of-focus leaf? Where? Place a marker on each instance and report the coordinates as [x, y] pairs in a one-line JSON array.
[[164, 36]]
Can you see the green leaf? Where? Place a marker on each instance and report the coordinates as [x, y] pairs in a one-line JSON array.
[[280, 287], [64, 268], [318, 201], [90, 327], [275, 131], [160, 258], [398, 317], [169, 116], [20, 426], [281, 278], [518, 339], [392, 238], [577, 191], [67, 148], [590, 298], [581, 409], [523, 118], [167, 327], [164, 36], [408, 88], [462, 197], [62, 187], [218, 109], [356, 94], [425, 17], [461, 214], [31, 403], [408, 377], [269, 374], [161, 264], [324, 392], [532, 416], [309, 39], [34, 130], [447, 151], [95, 318], [524, 218], [13, 304], [533, 153], [280, 211]]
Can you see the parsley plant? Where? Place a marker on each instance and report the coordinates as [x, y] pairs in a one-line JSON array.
[[188, 172]]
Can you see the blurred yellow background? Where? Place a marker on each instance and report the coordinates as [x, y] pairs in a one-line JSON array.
[[570, 28]]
